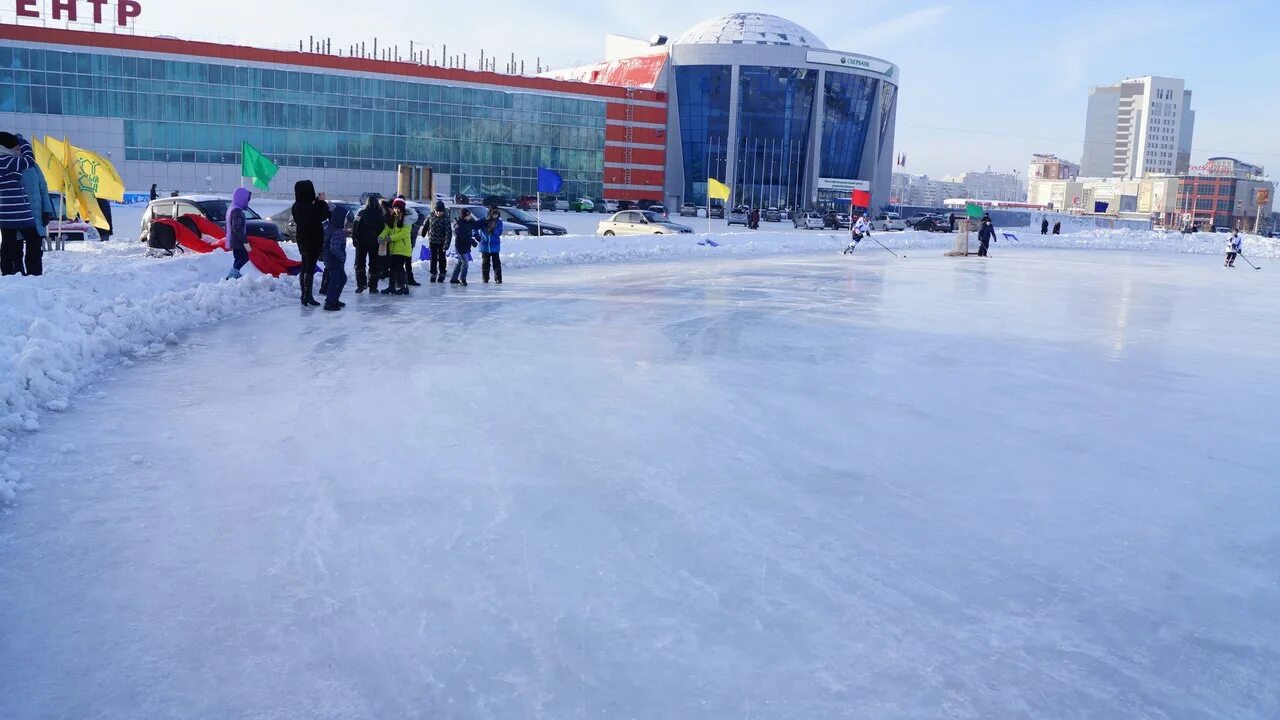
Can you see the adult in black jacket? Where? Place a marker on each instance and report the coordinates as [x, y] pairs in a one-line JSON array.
[[985, 235], [438, 230], [309, 213], [368, 226], [1044, 226]]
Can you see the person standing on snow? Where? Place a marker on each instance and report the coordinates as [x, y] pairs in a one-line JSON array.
[[398, 235], [491, 246], [753, 220], [415, 220], [335, 258], [237, 236], [1057, 228], [438, 229], [41, 210], [1044, 226], [368, 226], [861, 229], [309, 213], [17, 221], [1234, 246], [986, 234], [464, 240]]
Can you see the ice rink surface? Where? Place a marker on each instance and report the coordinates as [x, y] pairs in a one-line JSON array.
[[814, 486]]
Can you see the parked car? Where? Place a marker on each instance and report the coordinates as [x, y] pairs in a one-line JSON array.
[[627, 205], [771, 214], [519, 222], [688, 210], [914, 219], [212, 207], [283, 220], [583, 205], [527, 202], [646, 204], [933, 223], [836, 221], [547, 203], [72, 231], [808, 221], [659, 209], [888, 222], [717, 212], [609, 206], [741, 215], [640, 222], [1222, 229]]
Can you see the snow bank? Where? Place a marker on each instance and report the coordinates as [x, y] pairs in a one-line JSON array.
[[103, 303]]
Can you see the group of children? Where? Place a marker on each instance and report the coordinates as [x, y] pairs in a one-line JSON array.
[[393, 255]]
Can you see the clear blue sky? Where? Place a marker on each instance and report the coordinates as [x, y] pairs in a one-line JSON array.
[[983, 83]]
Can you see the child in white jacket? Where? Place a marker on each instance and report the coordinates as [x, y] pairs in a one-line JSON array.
[[1234, 245]]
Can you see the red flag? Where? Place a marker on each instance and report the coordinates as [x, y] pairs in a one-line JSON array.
[[861, 199]]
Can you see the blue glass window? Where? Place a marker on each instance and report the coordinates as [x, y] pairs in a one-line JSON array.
[[775, 122], [847, 105], [703, 101]]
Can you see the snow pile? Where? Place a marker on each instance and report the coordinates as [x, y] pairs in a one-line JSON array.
[[99, 303]]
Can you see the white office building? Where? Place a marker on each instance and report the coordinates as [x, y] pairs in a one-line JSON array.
[[1139, 127]]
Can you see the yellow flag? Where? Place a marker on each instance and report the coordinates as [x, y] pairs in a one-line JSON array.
[[59, 150], [97, 175], [90, 212], [50, 165], [717, 190]]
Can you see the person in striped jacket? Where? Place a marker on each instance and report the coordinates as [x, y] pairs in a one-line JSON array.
[[17, 223]]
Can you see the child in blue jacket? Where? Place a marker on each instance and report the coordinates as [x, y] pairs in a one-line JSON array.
[[491, 246], [335, 257]]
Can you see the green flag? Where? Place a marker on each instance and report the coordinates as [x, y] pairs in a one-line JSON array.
[[973, 211], [256, 166]]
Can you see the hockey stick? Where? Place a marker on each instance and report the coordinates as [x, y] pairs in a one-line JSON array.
[[883, 246], [1255, 267]]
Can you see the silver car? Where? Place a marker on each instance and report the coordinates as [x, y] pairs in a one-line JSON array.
[[809, 221], [641, 222]]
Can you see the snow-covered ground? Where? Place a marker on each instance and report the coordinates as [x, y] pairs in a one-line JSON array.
[[794, 485]]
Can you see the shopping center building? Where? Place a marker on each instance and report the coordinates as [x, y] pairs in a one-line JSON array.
[[750, 99]]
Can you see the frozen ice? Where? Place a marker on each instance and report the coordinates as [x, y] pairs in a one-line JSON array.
[[793, 485]]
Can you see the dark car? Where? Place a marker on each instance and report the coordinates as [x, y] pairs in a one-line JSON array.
[[772, 214], [496, 201], [646, 204], [627, 205], [289, 231], [688, 210], [519, 222], [933, 223], [836, 221], [548, 203], [212, 207], [527, 202], [717, 212]]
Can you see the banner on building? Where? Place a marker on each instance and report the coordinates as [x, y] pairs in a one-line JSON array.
[[1262, 196]]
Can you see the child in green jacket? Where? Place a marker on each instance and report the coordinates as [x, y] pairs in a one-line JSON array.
[[399, 238]]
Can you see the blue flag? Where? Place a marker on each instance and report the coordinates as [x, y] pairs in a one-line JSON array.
[[549, 181]]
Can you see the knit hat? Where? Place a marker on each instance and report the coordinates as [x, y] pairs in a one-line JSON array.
[[439, 206], [8, 140], [398, 203]]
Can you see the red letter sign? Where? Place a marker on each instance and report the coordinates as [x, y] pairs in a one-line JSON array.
[[127, 10], [97, 10], [26, 8], [64, 6]]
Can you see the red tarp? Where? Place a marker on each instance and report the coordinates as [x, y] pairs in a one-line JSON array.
[[265, 253]]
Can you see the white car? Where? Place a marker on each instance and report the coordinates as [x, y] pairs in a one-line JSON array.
[[562, 205], [640, 222], [887, 222], [809, 221], [611, 206]]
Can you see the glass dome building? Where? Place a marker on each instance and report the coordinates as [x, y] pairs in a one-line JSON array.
[[762, 104]]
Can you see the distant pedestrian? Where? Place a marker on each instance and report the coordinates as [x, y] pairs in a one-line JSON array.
[[1234, 246], [438, 230], [154, 193], [237, 234], [368, 226], [42, 212], [309, 213], [753, 220], [491, 246], [105, 207], [1057, 228], [335, 258], [464, 239], [17, 220], [986, 234], [175, 193], [1044, 226], [951, 223], [398, 236]]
